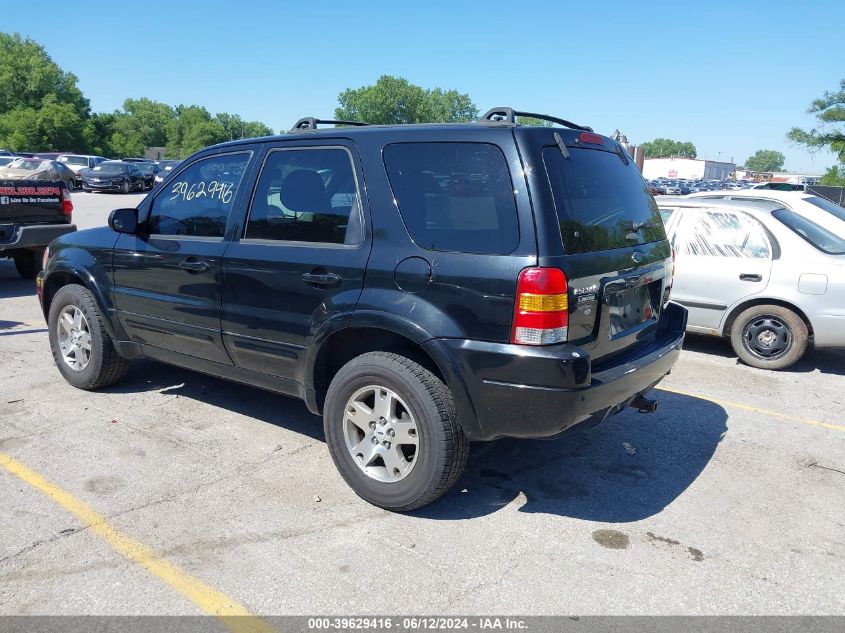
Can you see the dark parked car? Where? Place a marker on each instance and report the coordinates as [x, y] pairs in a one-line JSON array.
[[458, 296], [38, 169], [150, 170], [164, 169], [113, 175]]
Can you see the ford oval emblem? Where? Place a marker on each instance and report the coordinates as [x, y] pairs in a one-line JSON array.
[[637, 257]]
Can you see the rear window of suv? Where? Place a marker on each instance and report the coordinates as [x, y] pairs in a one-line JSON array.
[[601, 202], [454, 196]]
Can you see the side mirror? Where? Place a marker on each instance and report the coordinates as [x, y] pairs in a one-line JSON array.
[[124, 221]]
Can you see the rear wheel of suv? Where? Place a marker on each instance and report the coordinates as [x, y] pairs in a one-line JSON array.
[[769, 337], [392, 431], [81, 345]]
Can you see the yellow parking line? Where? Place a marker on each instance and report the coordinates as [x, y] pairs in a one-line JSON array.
[[748, 407], [213, 602]]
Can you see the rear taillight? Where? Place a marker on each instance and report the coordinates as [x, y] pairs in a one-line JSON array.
[[67, 205], [541, 316]]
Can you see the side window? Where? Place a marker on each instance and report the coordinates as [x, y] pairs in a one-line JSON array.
[[307, 195], [714, 233], [454, 196], [199, 201]]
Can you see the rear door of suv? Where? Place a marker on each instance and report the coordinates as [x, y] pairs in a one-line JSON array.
[[597, 221], [298, 257]]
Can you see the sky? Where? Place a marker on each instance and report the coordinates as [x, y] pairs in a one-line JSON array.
[[732, 77]]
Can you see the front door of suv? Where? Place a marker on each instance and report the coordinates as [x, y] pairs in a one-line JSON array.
[[167, 279], [300, 258]]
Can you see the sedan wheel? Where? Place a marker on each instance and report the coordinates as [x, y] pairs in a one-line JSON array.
[[769, 337], [126, 187]]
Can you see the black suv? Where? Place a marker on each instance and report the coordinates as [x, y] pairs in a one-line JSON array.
[[420, 286]]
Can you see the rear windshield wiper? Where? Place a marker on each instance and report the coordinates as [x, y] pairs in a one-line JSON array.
[[561, 145], [636, 226]]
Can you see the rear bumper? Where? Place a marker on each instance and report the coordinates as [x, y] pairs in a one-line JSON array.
[[16, 237], [519, 391]]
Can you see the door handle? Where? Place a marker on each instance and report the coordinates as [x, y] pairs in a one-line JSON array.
[[323, 280], [750, 277], [194, 265]]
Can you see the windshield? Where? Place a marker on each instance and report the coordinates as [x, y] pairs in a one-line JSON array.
[[111, 168], [74, 160], [827, 205], [821, 238], [601, 202]]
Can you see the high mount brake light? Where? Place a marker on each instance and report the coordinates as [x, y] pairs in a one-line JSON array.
[[541, 315], [588, 137]]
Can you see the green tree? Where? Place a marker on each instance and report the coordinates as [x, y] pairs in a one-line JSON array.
[[41, 106], [53, 126], [765, 160], [530, 120], [830, 133], [144, 122], [236, 128], [396, 100], [834, 177], [664, 147], [192, 129], [28, 75]]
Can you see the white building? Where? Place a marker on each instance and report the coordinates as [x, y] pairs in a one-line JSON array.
[[686, 168]]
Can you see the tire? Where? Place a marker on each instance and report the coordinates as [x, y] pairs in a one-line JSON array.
[[769, 337], [424, 414], [126, 187], [28, 263], [104, 366]]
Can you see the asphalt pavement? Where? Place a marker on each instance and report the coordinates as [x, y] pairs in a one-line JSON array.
[[730, 499]]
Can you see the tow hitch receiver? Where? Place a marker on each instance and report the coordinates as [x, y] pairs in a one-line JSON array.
[[644, 405]]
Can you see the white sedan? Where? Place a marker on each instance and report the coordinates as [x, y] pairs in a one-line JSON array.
[[768, 277]]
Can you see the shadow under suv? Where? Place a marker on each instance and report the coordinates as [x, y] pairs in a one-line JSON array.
[[420, 286]]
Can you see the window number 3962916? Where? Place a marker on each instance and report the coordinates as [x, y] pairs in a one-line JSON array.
[[213, 190]]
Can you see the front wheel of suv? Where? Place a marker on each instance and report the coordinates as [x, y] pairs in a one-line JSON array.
[[769, 337], [392, 431], [81, 345]]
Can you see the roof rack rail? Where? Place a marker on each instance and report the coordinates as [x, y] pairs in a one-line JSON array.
[[509, 115], [310, 123]]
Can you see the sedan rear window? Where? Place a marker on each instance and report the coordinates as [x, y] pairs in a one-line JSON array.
[[829, 206], [601, 201], [821, 238], [454, 196]]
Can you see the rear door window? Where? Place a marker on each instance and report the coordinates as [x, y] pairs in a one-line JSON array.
[[601, 202], [307, 195], [454, 196], [715, 233]]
